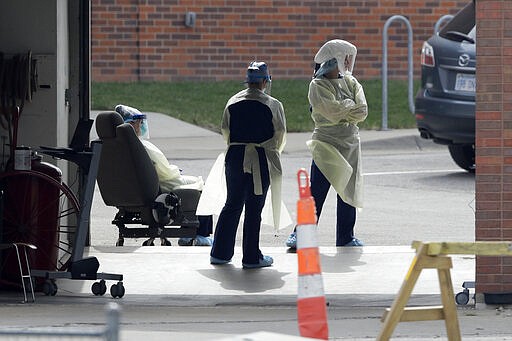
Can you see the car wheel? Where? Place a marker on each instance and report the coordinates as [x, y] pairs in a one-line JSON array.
[[463, 155]]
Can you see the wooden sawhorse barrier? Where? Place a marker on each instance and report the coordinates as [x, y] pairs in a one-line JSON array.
[[435, 256]]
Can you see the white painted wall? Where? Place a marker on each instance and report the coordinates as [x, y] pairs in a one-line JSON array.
[[42, 27]]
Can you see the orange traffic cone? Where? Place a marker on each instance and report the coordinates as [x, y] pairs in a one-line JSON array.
[[311, 305]]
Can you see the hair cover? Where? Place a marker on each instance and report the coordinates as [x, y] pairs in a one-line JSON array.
[[338, 49], [257, 72]]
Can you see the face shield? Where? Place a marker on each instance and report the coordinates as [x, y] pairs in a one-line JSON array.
[[326, 67], [130, 114], [268, 87], [144, 128], [257, 72], [343, 51]]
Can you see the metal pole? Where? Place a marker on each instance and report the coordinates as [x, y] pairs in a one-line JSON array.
[[384, 125], [113, 312], [410, 68], [84, 85], [86, 204]]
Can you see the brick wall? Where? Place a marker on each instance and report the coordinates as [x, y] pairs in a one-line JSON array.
[[494, 141], [147, 40]]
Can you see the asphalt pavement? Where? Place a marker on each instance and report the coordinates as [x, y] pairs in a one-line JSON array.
[[173, 293]]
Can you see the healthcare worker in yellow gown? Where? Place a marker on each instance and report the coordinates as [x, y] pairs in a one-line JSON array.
[[338, 104], [169, 175], [254, 127]]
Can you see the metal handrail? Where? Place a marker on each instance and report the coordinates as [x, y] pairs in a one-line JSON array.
[[384, 125], [108, 333]]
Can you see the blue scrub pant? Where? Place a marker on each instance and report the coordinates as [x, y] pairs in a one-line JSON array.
[[205, 225], [240, 192], [345, 213]]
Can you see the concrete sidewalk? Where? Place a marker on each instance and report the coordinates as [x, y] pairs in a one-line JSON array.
[[173, 293], [360, 276]]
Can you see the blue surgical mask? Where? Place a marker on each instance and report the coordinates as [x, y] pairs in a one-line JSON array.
[[144, 130]]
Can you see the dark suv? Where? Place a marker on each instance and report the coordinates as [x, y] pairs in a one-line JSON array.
[[445, 103]]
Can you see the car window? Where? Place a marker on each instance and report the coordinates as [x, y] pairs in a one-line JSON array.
[[472, 33], [462, 22]]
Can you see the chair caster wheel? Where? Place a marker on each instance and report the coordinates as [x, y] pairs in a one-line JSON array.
[[50, 288], [99, 288], [462, 298], [149, 242], [117, 290]]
